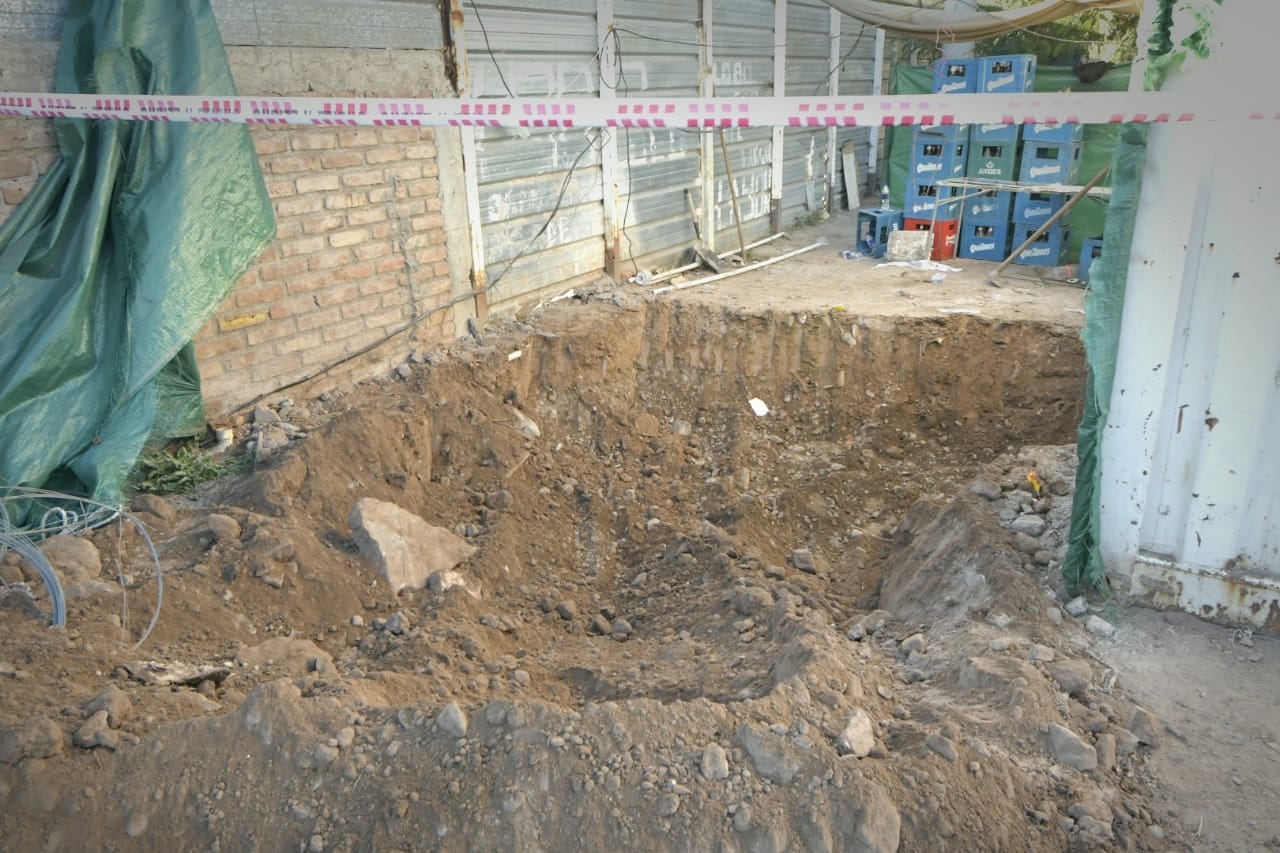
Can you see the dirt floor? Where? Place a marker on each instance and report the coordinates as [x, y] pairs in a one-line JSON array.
[[653, 618]]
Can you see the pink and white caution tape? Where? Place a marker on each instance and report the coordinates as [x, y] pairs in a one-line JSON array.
[[1028, 108]]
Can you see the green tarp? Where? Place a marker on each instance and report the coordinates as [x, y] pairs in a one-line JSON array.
[[121, 253], [1086, 219]]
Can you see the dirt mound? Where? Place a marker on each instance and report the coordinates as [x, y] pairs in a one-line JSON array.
[[668, 637]]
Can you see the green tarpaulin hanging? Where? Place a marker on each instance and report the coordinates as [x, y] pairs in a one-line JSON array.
[[121, 253]]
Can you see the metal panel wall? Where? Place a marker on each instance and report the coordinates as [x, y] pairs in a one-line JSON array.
[[658, 167], [857, 76], [805, 179], [524, 176]]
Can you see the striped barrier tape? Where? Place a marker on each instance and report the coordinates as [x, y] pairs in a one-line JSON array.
[[1046, 108]]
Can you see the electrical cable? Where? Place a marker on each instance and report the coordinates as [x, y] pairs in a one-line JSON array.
[[489, 48]]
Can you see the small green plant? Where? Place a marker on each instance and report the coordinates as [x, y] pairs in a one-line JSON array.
[[178, 471]]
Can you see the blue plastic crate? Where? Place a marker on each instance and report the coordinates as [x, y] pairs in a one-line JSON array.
[[1032, 208], [1014, 73], [934, 157], [997, 133], [989, 209], [955, 134], [1089, 252], [984, 241], [992, 161], [1048, 248], [1050, 162], [953, 76], [1065, 134], [923, 198], [874, 226]]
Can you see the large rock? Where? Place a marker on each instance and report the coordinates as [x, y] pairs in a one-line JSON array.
[[858, 737], [404, 548], [1073, 676], [1070, 749], [112, 700], [40, 738], [289, 654], [775, 758], [78, 565]]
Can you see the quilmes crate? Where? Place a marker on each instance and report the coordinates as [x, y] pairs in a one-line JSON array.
[[989, 209], [874, 226], [980, 134], [1048, 248], [1065, 134], [953, 76], [994, 161], [984, 242], [934, 157], [945, 234], [1033, 208], [1014, 73], [1050, 162], [1089, 252], [924, 197]]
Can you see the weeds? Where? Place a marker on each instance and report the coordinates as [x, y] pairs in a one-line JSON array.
[[177, 472]]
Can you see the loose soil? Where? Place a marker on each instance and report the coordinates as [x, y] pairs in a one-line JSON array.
[[686, 614]]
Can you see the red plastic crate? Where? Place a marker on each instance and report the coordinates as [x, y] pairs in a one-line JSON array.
[[946, 232]]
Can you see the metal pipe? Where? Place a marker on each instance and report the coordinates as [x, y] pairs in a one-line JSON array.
[[1084, 191], [672, 273], [740, 270]]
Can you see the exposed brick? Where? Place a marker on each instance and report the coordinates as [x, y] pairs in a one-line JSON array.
[[291, 307], [291, 163], [309, 282], [257, 335], [423, 187], [404, 172], [353, 272], [357, 136], [313, 140], [329, 260], [318, 318], [327, 354], [218, 344], [382, 231], [422, 151], [342, 159], [344, 329], [318, 183], [440, 268], [240, 360], [435, 204], [269, 254], [350, 237], [367, 215], [45, 159], [395, 263], [287, 229], [338, 295], [385, 318], [299, 341], [322, 223], [299, 206], [400, 134], [364, 178], [278, 270], [269, 142], [345, 201], [13, 192], [302, 246], [280, 187], [383, 154], [429, 255], [256, 296], [396, 298], [369, 251], [358, 308], [379, 285], [427, 222], [276, 369], [16, 167]]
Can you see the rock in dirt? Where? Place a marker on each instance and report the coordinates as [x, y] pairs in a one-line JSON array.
[[452, 721], [668, 804], [154, 504], [95, 732], [294, 656], [397, 623], [1032, 525], [916, 643], [223, 527], [78, 564], [1073, 676], [567, 610], [1105, 746], [1145, 726], [403, 547], [802, 559], [621, 629], [1040, 653], [39, 738], [773, 755], [715, 762], [1070, 749], [941, 745], [747, 601], [985, 489], [648, 426], [441, 582], [499, 500], [112, 700], [1099, 627], [858, 736], [1077, 606]]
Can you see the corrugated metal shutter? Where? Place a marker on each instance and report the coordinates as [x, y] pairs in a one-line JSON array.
[[657, 44], [857, 70], [808, 67], [523, 177]]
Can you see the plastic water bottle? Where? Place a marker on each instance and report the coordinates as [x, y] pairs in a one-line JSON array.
[[1066, 272], [884, 196]]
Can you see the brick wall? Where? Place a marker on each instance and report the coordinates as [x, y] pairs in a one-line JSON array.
[[359, 250]]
